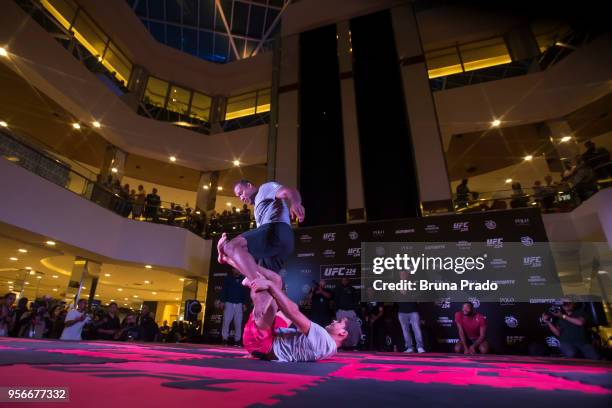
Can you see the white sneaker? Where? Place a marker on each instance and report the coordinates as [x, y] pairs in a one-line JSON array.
[[421, 350], [410, 350]]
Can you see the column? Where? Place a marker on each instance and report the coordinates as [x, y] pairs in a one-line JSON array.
[[521, 43], [206, 195], [433, 180], [352, 160], [136, 87], [113, 164], [286, 164], [273, 126], [217, 113], [83, 280]]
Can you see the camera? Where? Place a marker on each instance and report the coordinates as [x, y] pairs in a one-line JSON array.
[[554, 309]]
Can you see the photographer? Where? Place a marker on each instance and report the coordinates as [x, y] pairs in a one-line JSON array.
[[569, 326], [319, 300], [75, 320], [130, 330], [37, 324]]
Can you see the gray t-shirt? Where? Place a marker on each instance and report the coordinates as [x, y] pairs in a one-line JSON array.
[[317, 345], [268, 208]]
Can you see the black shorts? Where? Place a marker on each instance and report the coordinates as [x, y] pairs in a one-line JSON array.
[[270, 244]]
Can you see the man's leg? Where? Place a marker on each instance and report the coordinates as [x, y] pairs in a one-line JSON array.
[[568, 350], [404, 319], [415, 322], [227, 318], [484, 347], [237, 322], [588, 351]]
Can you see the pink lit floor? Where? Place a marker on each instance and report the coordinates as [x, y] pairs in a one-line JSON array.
[[116, 375]]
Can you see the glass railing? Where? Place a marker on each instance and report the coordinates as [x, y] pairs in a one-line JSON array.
[[558, 197], [72, 27], [112, 195]]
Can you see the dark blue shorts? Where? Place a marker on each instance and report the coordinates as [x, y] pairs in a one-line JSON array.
[[270, 244]]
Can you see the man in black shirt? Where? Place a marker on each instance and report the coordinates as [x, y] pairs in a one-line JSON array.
[[110, 323], [130, 330], [347, 303], [146, 324], [233, 302], [569, 327], [319, 301], [373, 312]]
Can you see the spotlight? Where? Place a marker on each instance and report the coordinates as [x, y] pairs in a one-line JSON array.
[[3, 52], [3, 123], [496, 123], [50, 243], [96, 124], [76, 126], [236, 163], [172, 159], [528, 157], [566, 139]]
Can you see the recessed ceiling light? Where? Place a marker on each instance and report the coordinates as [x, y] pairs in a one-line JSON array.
[[23, 251], [3, 123], [39, 277], [125, 304], [29, 268], [508, 181], [50, 243], [84, 287], [32, 272], [228, 204], [236, 163], [528, 157], [27, 283], [182, 279], [205, 187], [12, 258], [220, 188], [10, 281], [55, 276], [120, 290], [114, 170], [107, 274], [148, 266], [3, 52], [147, 281], [154, 293], [135, 296], [172, 158], [97, 294], [566, 139], [76, 125], [496, 123], [176, 298], [112, 300], [96, 124], [55, 289]]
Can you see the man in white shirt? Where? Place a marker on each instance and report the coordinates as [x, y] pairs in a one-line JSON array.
[[75, 320], [268, 338]]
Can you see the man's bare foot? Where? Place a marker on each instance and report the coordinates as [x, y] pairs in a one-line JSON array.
[[220, 249], [246, 282]]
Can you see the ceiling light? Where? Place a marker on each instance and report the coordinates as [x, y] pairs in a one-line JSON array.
[[125, 304], [154, 293], [39, 277], [112, 300], [3, 123], [120, 290], [566, 139], [84, 287], [55, 289], [182, 279], [528, 157], [96, 124], [114, 170], [3, 52], [12, 258], [220, 188], [23, 251], [176, 298], [27, 283], [148, 266], [135, 296], [172, 158], [508, 181], [75, 125], [599, 272], [205, 187], [50, 243], [107, 274], [29, 268], [125, 299], [147, 281], [496, 123], [55, 276], [236, 163], [32, 272], [228, 204], [10, 281], [97, 294], [197, 212]]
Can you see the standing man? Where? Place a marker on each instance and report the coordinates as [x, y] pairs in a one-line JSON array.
[[75, 320], [233, 302], [271, 243], [346, 301], [472, 327], [319, 303]]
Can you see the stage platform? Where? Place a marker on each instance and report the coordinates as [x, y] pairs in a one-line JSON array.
[[117, 375]]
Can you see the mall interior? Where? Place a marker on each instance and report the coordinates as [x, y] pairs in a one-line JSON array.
[[375, 110]]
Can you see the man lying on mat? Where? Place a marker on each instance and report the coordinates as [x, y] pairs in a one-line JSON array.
[[266, 338]]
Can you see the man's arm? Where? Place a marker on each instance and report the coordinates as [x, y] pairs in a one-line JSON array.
[[289, 308], [461, 335], [481, 337], [295, 201]]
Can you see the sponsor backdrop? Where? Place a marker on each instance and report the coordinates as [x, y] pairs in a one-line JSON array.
[[333, 252]]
